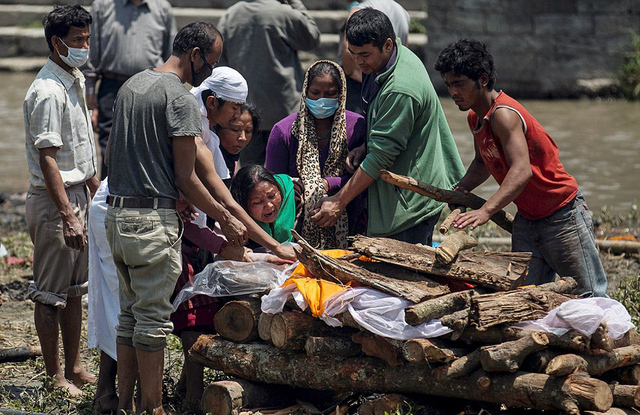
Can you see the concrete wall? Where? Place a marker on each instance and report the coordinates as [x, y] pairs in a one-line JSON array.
[[542, 48]]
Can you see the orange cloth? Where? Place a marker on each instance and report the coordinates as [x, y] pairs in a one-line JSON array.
[[315, 290]]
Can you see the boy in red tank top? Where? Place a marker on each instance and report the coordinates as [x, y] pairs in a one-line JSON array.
[[553, 221]]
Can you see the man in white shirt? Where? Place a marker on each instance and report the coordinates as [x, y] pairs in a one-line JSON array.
[[61, 157]]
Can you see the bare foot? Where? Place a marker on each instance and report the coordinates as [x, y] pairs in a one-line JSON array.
[[81, 378], [61, 382]]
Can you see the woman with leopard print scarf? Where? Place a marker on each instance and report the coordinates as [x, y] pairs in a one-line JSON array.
[[313, 144]]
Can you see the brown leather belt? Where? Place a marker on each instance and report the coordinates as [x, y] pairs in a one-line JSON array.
[[141, 202], [120, 78]]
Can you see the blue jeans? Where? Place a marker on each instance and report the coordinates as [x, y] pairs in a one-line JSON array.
[[562, 244], [421, 233]]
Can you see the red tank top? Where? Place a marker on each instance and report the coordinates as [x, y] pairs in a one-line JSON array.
[[550, 187]]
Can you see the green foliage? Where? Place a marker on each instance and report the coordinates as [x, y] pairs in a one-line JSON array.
[[629, 219], [629, 72], [417, 27], [628, 293]]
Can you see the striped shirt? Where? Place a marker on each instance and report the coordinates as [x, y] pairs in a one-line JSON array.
[[56, 115]]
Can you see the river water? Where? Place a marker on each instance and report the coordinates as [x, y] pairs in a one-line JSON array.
[[599, 143]]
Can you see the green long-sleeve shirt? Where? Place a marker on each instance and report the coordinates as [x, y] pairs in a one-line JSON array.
[[408, 134]]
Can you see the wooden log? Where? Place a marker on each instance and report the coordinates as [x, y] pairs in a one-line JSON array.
[[237, 320], [500, 271], [437, 307], [373, 345], [538, 362], [566, 364], [601, 363], [626, 396], [264, 326], [226, 396], [571, 340], [629, 338], [325, 267], [626, 375], [264, 363], [19, 354], [448, 221], [614, 411], [601, 339], [290, 329], [331, 346], [457, 321], [430, 350], [463, 366], [519, 305], [507, 357], [448, 250], [502, 218]]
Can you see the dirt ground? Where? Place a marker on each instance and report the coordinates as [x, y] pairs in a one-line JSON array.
[[21, 383]]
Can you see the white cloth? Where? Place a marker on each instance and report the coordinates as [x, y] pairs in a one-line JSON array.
[[226, 83], [377, 312], [56, 115], [104, 303], [584, 315]]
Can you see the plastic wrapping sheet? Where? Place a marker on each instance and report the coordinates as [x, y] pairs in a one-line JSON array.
[[584, 315], [225, 278]]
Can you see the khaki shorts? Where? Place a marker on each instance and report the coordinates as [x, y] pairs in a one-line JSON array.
[[58, 271], [145, 244]]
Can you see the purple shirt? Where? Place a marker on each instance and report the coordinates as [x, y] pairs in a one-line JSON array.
[[282, 148]]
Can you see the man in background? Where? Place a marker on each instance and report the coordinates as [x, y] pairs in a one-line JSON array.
[[62, 162], [262, 40], [127, 36]]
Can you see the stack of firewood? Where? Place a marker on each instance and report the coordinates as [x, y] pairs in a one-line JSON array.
[[484, 359]]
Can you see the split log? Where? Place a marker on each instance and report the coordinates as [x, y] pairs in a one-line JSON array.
[[264, 326], [614, 411], [566, 364], [331, 346], [238, 320], [599, 364], [502, 218], [626, 375], [19, 354], [507, 357], [460, 367], [500, 271], [627, 396], [325, 267], [373, 345], [448, 250], [290, 329], [226, 396], [601, 339], [430, 350], [448, 221], [267, 364], [437, 307], [629, 338], [520, 305], [571, 340]]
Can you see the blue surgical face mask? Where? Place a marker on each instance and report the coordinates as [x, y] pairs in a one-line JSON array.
[[75, 56], [322, 108]]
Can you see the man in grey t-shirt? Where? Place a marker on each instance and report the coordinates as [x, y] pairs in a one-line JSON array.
[[151, 157]]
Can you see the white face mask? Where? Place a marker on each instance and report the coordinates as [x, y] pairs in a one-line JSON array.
[[75, 56]]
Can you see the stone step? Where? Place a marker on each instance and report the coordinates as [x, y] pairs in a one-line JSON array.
[[329, 21], [20, 43], [223, 4]]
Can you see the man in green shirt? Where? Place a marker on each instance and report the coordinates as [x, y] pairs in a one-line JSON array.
[[407, 133]]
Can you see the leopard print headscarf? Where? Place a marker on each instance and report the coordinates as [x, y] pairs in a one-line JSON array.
[[308, 163]]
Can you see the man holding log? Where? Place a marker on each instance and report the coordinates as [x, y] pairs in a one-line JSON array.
[[553, 220], [407, 133]]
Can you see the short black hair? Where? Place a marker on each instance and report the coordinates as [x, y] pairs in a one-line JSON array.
[[320, 68], [369, 26], [255, 116], [197, 34], [246, 179], [59, 21], [467, 57], [209, 93]]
